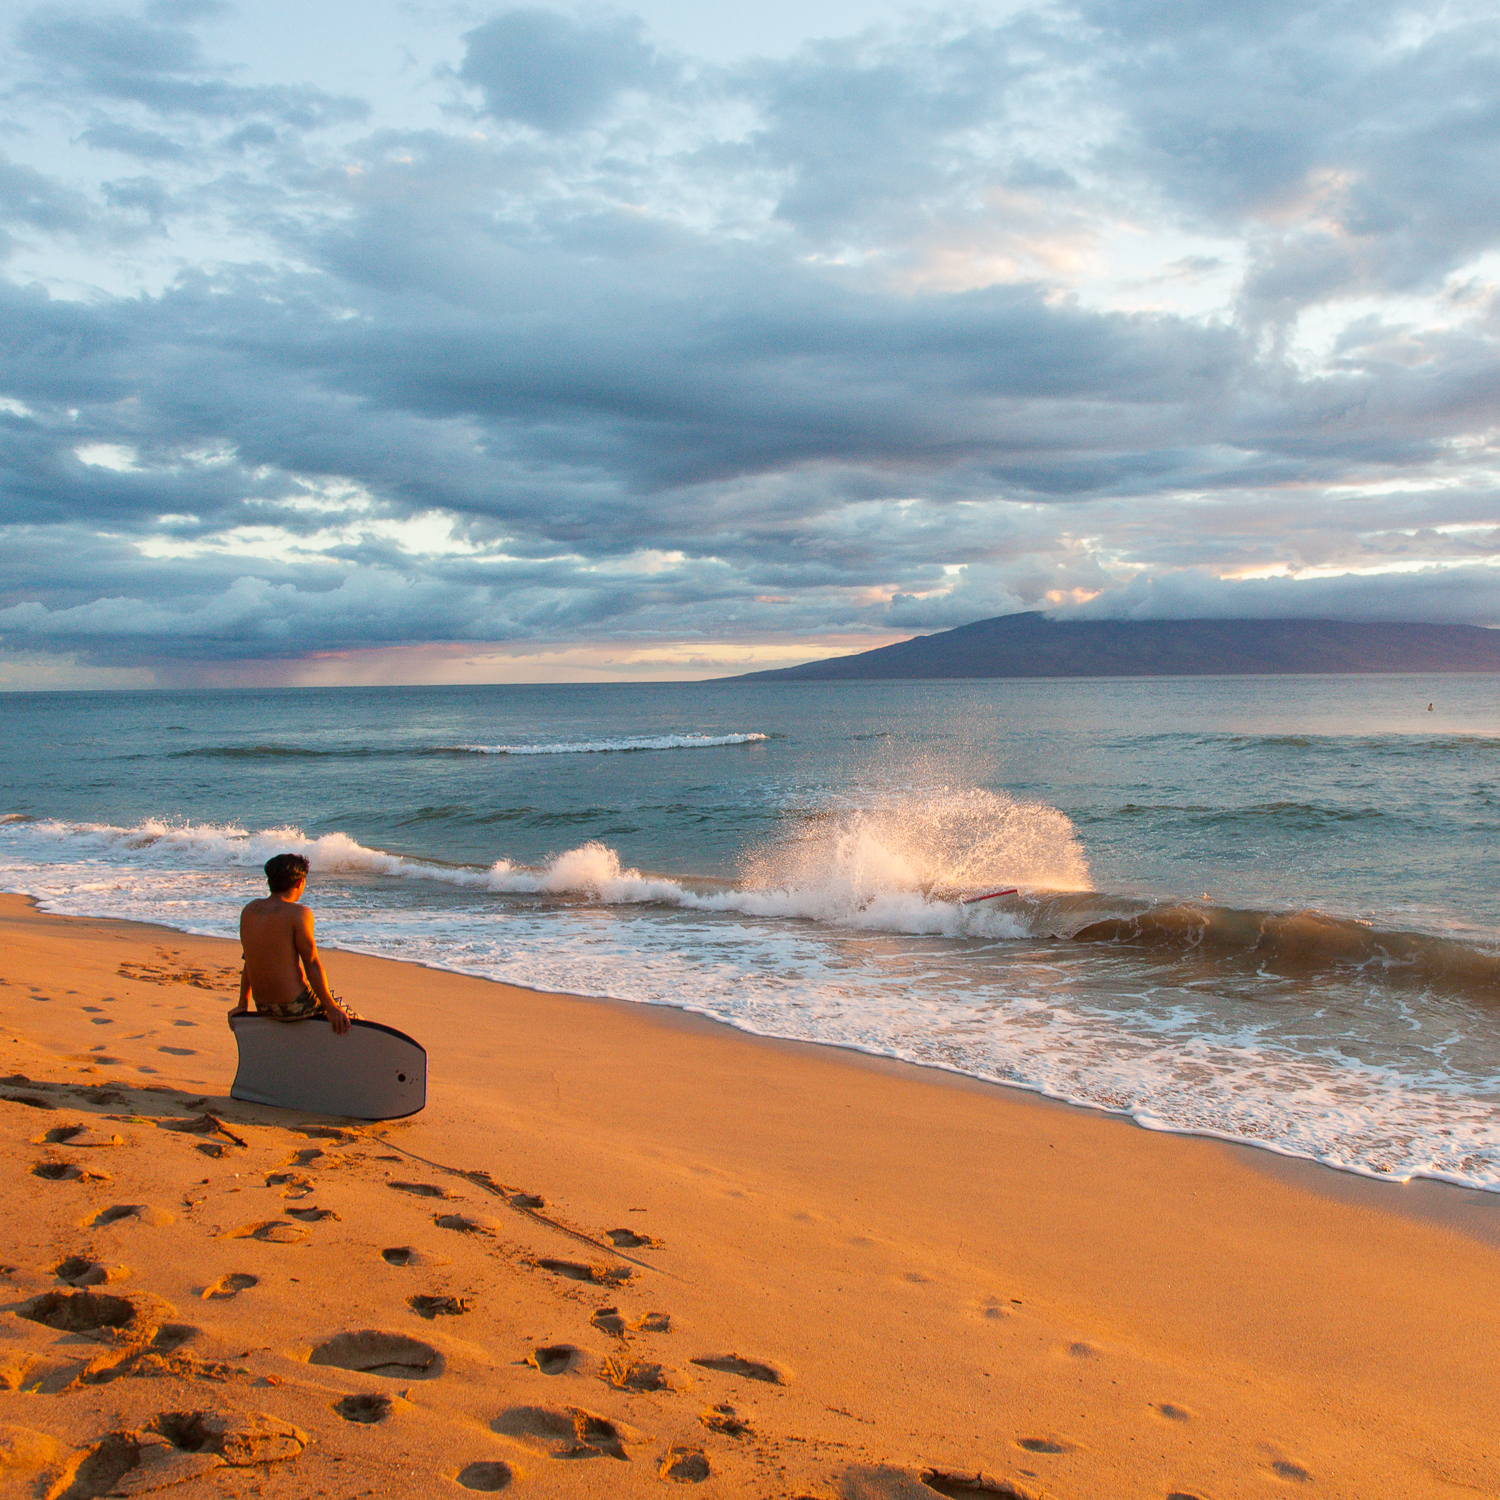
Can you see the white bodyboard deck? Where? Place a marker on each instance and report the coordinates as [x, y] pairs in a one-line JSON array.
[[372, 1072]]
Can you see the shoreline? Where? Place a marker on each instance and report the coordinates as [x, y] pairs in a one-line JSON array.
[[943, 1274], [1466, 1213]]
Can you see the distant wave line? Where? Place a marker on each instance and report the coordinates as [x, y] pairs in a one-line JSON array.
[[624, 745], [561, 747]]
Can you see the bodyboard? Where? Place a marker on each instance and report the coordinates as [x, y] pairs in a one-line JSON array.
[[372, 1072]]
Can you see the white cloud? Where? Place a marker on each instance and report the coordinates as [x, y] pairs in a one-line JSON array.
[[1098, 306]]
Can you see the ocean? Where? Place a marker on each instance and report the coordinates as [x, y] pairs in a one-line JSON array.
[[1263, 909]]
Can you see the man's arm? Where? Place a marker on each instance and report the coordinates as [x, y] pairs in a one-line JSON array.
[[317, 981], [244, 1004]]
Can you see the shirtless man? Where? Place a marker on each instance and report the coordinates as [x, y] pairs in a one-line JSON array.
[[282, 969]]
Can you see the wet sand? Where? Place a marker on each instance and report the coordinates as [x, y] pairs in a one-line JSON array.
[[626, 1248]]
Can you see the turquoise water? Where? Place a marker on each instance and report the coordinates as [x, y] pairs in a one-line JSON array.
[[1259, 908]]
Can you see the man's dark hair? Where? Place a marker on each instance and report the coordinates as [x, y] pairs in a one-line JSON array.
[[283, 871]]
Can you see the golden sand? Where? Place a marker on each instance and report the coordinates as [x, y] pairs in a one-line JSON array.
[[626, 1249]]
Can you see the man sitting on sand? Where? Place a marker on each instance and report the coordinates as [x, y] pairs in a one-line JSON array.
[[282, 969]]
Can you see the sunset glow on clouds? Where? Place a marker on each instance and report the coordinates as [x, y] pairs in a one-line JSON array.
[[385, 343]]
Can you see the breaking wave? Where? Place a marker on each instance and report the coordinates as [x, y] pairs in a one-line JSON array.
[[901, 869], [910, 868]]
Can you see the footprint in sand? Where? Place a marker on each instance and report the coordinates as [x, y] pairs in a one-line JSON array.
[[653, 1322], [80, 1312], [732, 1364], [554, 1359], [1050, 1445], [418, 1189], [608, 1320], [636, 1375], [179, 1446], [179, 1051], [123, 1213], [271, 1231], [628, 1239], [81, 1270], [312, 1215], [404, 1255], [569, 1433], [942, 1482], [366, 1407], [79, 1137], [66, 1171], [575, 1270], [1172, 1413], [229, 1286], [722, 1419], [291, 1184], [374, 1352], [488, 1475], [463, 1224], [431, 1307], [1294, 1473], [685, 1465]]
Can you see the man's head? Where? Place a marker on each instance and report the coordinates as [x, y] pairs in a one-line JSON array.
[[285, 872]]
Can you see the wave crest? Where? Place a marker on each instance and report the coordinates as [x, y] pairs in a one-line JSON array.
[[624, 745]]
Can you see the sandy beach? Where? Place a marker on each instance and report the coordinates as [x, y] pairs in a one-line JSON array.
[[624, 1247]]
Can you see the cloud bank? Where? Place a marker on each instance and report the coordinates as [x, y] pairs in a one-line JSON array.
[[559, 334]]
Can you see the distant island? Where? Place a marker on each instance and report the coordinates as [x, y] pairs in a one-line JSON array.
[[1032, 645]]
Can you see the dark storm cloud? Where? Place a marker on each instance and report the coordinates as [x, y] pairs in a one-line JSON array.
[[588, 365]]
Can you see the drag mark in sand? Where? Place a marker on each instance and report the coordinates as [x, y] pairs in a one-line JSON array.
[[529, 1204]]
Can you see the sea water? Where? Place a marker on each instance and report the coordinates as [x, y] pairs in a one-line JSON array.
[[1258, 908]]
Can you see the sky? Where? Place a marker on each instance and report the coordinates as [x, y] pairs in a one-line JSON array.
[[403, 342]]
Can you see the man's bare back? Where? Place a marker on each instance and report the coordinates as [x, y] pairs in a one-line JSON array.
[[282, 970]]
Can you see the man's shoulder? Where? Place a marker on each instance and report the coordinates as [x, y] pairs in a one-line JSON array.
[[274, 906]]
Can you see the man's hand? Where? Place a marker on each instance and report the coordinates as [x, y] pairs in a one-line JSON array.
[[336, 1018], [239, 1010]]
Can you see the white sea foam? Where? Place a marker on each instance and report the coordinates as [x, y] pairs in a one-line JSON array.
[[810, 946], [898, 870], [626, 744]]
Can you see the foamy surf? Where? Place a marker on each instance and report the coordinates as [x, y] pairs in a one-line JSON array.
[[848, 929]]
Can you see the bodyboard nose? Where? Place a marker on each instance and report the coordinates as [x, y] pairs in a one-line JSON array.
[[372, 1072]]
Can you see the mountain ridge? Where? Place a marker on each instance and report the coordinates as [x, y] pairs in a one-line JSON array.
[[1030, 644]]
